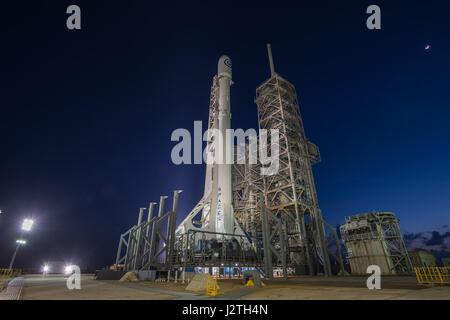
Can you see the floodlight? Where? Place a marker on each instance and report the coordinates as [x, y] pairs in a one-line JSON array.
[[27, 224]]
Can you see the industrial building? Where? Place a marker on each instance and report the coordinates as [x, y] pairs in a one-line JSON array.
[[422, 259], [375, 238]]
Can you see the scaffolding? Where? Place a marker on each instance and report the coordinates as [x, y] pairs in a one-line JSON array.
[[248, 190], [199, 248], [290, 193], [147, 246]]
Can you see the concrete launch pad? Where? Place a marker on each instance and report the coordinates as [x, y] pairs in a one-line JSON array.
[[54, 287]]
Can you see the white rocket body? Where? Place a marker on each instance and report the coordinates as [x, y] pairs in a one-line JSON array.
[[216, 204], [224, 215]]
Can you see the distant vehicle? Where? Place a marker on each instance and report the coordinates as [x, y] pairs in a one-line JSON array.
[[119, 267]]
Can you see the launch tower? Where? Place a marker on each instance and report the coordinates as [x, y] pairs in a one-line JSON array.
[[290, 194], [244, 219]]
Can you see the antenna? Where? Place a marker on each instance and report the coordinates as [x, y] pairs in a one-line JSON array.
[[269, 51]]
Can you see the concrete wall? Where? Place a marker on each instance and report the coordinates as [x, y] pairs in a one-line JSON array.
[[366, 253]]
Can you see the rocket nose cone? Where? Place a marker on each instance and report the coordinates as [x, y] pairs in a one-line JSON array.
[[224, 66]]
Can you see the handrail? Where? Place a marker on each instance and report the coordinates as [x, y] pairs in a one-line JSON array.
[[437, 275]]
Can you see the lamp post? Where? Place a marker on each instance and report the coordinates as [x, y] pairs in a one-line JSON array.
[[26, 226], [19, 242]]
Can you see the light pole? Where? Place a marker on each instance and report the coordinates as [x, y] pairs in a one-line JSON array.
[[26, 226], [19, 243]]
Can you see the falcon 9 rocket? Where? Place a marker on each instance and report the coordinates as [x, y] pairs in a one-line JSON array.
[[216, 204]]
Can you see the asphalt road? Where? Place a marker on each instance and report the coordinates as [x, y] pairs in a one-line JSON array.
[[54, 287]]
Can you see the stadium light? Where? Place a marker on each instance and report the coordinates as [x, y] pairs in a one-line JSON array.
[[68, 269], [27, 224]]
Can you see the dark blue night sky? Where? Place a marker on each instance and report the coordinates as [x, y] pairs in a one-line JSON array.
[[86, 116]]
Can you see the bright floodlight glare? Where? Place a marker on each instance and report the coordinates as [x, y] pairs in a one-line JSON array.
[[46, 268], [27, 224], [20, 241], [68, 269]]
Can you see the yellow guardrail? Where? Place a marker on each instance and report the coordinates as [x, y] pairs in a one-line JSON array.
[[9, 273], [212, 289], [438, 275]]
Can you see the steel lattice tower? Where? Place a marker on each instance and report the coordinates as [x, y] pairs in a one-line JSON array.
[[291, 193], [248, 188]]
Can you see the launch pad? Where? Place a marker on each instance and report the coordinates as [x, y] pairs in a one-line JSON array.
[[54, 287], [246, 218]]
